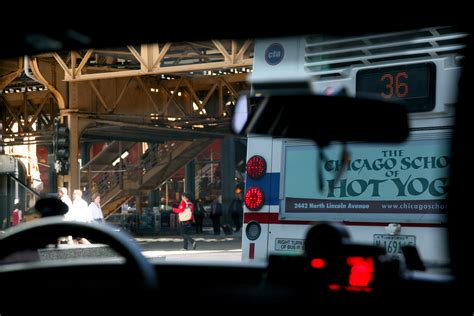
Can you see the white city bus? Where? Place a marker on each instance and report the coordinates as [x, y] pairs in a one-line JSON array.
[[389, 195]]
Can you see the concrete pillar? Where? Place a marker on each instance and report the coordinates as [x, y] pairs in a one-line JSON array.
[[228, 173]]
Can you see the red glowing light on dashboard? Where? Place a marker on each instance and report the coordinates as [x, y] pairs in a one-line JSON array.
[[362, 271], [334, 287], [318, 263]]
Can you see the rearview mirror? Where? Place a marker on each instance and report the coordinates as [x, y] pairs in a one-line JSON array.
[[323, 119]]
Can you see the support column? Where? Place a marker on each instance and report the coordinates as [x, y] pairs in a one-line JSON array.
[[199, 190], [190, 175], [154, 198], [85, 153], [138, 205], [74, 134], [9, 199], [138, 201], [73, 178], [3, 200], [120, 166], [140, 164], [76, 125], [52, 177], [149, 54], [228, 173]]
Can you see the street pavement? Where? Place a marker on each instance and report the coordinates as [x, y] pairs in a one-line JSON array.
[[210, 247]]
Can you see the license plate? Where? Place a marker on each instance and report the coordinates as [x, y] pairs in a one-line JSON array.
[[393, 243]]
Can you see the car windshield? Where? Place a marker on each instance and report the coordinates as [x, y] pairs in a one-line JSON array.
[[134, 136]]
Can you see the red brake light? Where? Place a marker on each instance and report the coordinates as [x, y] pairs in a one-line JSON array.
[[254, 198], [256, 167]]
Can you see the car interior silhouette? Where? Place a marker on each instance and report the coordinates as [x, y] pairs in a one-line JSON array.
[[335, 272]]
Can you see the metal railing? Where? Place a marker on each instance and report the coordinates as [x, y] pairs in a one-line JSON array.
[[122, 174]]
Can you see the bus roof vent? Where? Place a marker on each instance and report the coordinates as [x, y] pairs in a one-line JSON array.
[[332, 58]]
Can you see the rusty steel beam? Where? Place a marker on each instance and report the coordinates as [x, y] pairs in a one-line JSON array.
[[57, 95], [155, 60]]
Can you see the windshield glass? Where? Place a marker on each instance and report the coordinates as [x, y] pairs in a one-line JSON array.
[[138, 136]]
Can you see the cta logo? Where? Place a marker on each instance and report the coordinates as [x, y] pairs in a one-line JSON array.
[[274, 54]]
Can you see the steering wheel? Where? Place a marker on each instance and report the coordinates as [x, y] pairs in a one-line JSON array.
[[39, 233]]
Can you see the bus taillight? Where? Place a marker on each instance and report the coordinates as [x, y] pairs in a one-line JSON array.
[[254, 198], [256, 167]]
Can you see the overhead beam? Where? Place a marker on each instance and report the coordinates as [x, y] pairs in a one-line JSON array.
[[99, 96], [147, 93], [84, 60], [13, 114], [37, 73], [163, 70], [122, 92], [208, 96], [172, 99], [62, 64], [156, 59], [7, 79], [137, 55], [222, 50], [161, 55], [243, 49], [37, 112]]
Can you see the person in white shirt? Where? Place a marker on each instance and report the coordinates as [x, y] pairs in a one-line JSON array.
[[95, 209], [65, 198], [80, 210], [77, 211]]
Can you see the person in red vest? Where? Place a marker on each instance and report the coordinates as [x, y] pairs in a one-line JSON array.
[[17, 215], [185, 225]]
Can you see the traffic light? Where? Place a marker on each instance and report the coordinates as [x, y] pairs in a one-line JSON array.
[[239, 188], [61, 148]]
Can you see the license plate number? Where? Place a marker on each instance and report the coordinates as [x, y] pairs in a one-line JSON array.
[[393, 243]]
